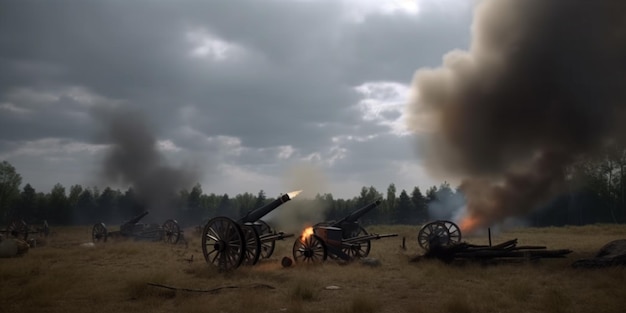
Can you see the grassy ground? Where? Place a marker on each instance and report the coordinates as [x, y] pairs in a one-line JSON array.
[[64, 276]]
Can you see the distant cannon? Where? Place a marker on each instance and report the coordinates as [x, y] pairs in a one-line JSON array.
[[344, 239], [227, 243], [169, 231], [20, 229]]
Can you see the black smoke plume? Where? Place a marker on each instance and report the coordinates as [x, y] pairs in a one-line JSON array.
[[134, 159], [543, 84]]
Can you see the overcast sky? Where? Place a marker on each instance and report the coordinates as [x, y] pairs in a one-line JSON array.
[[253, 94]]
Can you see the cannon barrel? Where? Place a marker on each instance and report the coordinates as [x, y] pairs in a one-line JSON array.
[[257, 214], [137, 218], [355, 215]]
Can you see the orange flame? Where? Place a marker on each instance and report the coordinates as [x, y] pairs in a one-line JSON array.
[[293, 194], [308, 232], [469, 224]]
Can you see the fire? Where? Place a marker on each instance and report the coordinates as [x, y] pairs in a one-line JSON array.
[[293, 194], [308, 232], [469, 223]]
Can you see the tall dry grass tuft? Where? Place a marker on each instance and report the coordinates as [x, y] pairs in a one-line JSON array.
[[137, 287], [554, 300], [458, 304], [304, 290], [201, 270], [520, 292], [362, 303]]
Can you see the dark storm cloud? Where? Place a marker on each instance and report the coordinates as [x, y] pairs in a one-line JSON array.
[[47, 114], [288, 80], [417, 42], [543, 84], [367, 154], [122, 50]]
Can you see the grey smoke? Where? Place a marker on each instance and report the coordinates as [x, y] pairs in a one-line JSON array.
[[543, 83], [134, 159], [305, 210], [295, 215]]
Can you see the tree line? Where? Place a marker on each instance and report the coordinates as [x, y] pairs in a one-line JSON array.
[[597, 194]]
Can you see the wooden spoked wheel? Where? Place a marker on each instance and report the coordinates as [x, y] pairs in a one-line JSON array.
[[454, 232], [223, 243], [99, 233], [310, 249], [267, 247], [171, 231], [359, 249], [253, 245], [433, 233], [18, 229]]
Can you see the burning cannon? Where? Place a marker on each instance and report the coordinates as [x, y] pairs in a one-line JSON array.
[[227, 244], [344, 239], [20, 229], [169, 232]]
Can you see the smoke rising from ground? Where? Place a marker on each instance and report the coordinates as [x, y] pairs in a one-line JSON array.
[[134, 159], [304, 210], [542, 84]]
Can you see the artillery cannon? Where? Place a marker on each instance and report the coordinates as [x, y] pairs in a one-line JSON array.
[[227, 243], [169, 231], [20, 229], [344, 239]]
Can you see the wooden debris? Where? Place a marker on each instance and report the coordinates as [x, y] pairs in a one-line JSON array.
[[506, 250]]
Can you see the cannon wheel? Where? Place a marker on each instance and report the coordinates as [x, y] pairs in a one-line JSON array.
[[360, 249], [171, 231], [223, 243], [253, 245], [309, 250], [441, 233], [18, 229], [453, 230], [99, 233], [433, 232], [267, 247]]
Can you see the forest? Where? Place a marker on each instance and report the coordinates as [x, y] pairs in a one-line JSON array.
[[595, 193]]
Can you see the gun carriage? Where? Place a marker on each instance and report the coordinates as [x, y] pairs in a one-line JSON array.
[[169, 231], [344, 239], [20, 229], [227, 243]]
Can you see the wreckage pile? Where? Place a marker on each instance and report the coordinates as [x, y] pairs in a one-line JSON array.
[[442, 240], [506, 251]]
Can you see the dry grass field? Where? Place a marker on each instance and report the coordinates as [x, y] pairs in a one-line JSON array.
[[64, 276]]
